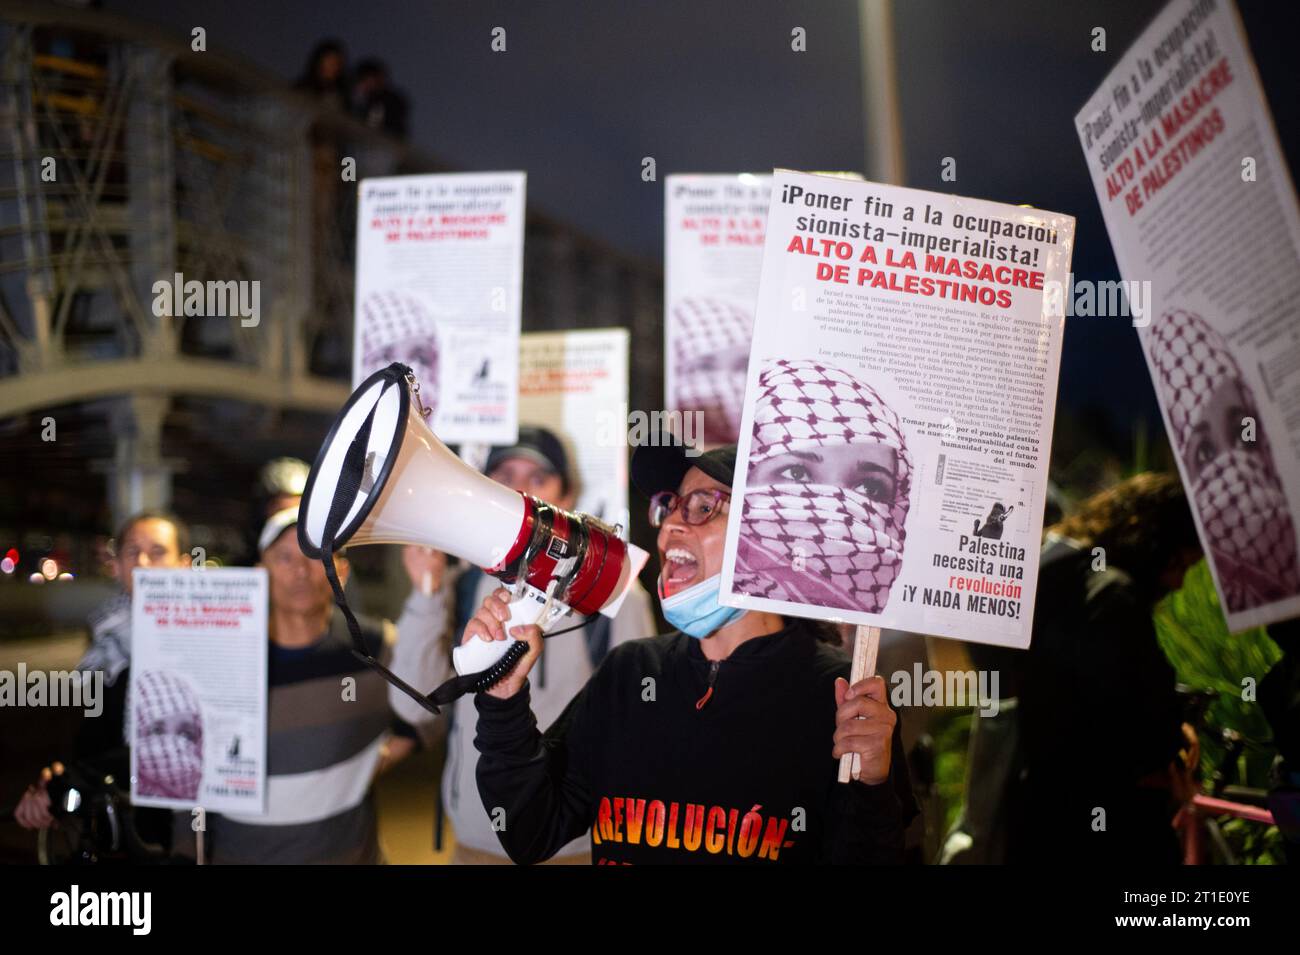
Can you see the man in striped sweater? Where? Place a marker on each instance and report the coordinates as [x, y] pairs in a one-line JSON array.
[[333, 724]]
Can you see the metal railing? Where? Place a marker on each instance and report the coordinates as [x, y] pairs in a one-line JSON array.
[[127, 158]]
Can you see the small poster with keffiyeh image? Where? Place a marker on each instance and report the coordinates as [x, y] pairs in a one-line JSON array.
[[438, 287], [1201, 212], [892, 463], [197, 703], [714, 225]]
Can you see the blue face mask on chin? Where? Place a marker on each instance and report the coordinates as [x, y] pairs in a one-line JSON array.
[[696, 610]]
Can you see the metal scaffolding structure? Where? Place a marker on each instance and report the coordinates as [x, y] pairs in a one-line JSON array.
[[126, 159]]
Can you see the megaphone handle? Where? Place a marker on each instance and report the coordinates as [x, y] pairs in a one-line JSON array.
[[478, 653], [524, 612], [530, 607]]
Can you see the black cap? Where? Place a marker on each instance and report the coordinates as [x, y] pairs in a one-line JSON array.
[[661, 467], [536, 444]]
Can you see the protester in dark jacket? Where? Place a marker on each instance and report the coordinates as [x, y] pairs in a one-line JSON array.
[[1100, 721], [1279, 698]]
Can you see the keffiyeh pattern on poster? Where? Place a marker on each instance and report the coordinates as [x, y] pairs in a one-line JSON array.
[[169, 736], [821, 544], [1236, 489]]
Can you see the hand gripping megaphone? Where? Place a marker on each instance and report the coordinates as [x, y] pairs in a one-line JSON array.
[[383, 477]]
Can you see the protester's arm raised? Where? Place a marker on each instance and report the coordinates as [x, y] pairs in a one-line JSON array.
[[420, 655]]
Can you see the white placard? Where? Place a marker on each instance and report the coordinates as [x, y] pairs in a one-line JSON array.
[[893, 454], [438, 287], [713, 250], [1202, 215], [197, 709], [575, 385]]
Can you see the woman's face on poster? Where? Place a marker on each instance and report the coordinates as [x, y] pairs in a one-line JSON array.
[[1219, 426], [169, 744], [418, 353], [714, 383], [185, 725], [869, 469]]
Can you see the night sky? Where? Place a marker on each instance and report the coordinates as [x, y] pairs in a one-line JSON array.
[[585, 90]]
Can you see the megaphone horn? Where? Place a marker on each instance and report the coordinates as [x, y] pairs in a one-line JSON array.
[[383, 477]]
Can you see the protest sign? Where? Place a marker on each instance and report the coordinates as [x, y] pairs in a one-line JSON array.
[[713, 250], [439, 279], [575, 385], [197, 710], [893, 454], [1202, 213], [714, 225]]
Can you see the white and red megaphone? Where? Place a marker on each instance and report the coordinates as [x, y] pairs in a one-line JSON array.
[[383, 477]]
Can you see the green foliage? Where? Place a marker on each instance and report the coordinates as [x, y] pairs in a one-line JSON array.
[[1195, 639], [951, 732], [1254, 844]]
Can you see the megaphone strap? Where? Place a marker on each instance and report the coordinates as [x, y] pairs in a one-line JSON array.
[[345, 492]]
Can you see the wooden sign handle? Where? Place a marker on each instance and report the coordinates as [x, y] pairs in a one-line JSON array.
[[866, 646]]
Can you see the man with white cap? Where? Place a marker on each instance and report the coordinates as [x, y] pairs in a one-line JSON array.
[[326, 738]]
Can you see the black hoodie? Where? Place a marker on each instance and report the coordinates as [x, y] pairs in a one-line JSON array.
[[1099, 718], [667, 757]]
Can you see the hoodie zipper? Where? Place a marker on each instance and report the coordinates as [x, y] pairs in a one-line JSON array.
[[708, 693]]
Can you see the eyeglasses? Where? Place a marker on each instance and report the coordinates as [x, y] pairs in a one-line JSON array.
[[697, 508]]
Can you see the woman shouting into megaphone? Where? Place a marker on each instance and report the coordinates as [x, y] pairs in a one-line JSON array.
[[715, 743]]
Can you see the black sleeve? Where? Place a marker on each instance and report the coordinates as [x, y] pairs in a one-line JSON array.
[[1131, 724], [1279, 692], [98, 741], [541, 782], [399, 727], [867, 823]]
